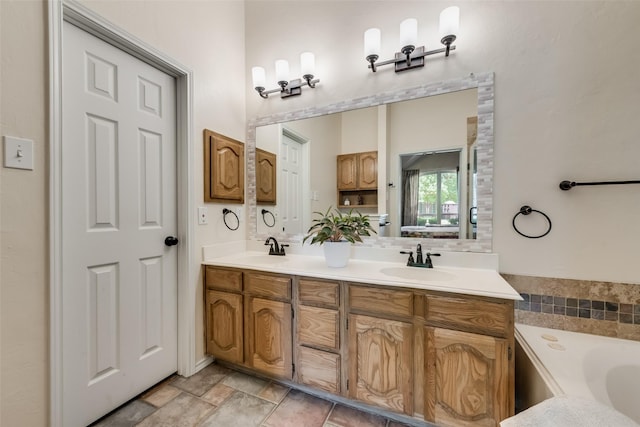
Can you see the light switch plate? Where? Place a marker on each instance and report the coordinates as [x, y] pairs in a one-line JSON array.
[[203, 216], [18, 153]]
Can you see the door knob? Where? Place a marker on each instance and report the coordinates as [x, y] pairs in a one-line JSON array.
[[171, 241]]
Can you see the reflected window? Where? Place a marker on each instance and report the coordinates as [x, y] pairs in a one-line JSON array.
[[438, 198]]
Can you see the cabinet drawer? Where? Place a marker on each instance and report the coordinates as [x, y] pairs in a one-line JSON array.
[[319, 292], [221, 278], [319, 369], [381, 300], [268, 285], [468, 314], [319, 327]]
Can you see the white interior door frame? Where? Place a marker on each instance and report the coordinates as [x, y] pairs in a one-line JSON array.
[[305, 166], [73, 12]]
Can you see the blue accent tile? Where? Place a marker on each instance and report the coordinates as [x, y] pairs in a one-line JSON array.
[[636, 309], [558, 309], [584, 303], [572, 302], [597, 305], [536, 298], [626, 308], [597, 314], [547, 299], [559, 301], [525, 297], [636, 319], [611, 306], [584, 313], [524, 305], [535, 307], [572, 311]]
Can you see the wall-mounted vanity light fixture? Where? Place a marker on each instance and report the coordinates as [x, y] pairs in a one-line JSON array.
[[409, 56], [287, 88]]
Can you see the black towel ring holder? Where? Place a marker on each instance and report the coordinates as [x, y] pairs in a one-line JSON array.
[[526, 210], [273, 218], [226, 211]]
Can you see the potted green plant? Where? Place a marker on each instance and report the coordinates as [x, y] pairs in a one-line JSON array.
[[335, 230]]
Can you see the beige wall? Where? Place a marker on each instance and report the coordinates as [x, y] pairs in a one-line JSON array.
[[208, 38], [566, 98], [565, 102]]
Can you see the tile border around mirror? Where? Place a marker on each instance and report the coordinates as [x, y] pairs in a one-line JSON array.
[[482, 81]]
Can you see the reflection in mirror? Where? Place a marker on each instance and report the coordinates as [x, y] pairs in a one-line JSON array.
[[443, 130]]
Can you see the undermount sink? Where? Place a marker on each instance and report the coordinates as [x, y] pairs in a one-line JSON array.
[[417, 273], [265, 259]]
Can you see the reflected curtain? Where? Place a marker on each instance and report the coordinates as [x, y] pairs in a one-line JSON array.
[[410, 181]]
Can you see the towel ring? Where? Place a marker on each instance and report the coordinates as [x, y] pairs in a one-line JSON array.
[[226, 211], [273, 218], [526, 210]]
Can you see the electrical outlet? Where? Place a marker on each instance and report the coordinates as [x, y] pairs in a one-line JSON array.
[[203, 216]]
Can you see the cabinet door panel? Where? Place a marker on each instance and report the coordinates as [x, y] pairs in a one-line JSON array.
[[466, 378], [223, 168], [220, 278], [266, 172], [381, 362], [270, 337], [224, 326], [368, 170], [318, 327], [319, 369], [347, 172]]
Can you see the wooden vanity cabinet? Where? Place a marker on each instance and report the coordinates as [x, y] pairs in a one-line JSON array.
[[223, 168], [381, 347], [224, 314], [268, 323], [469, 367], [318, 336]]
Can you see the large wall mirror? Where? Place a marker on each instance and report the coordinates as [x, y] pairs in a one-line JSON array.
[[434, 149]]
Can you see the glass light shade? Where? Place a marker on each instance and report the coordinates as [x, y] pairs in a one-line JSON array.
[[449, 21], [372, 42], [258, 75], [282, 70], [308, 63], [409, 32]]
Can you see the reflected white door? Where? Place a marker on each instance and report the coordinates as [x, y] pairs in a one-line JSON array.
[[119, 280], [291, 170]]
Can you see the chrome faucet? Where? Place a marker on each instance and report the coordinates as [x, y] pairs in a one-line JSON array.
[[274, 247], [418, 262]]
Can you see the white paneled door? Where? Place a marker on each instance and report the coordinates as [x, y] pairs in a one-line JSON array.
[[291, 169], [119, 278]]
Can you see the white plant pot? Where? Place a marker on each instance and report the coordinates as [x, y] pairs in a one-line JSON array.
[[336, 254]]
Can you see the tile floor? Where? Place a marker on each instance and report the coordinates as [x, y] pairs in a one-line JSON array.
[[220, 397]]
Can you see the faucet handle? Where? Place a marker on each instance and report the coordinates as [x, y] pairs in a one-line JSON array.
[[410, 261], [428, 262], [282, 246]]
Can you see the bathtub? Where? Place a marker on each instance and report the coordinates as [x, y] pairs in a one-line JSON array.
[[551, 362]]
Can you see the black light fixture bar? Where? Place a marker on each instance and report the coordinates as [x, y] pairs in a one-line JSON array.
[[287, 89], [407, 62]]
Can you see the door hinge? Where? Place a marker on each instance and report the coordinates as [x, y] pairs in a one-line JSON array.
[[347, 323], [293, 368], [347, 385], [510, 353], [292, 315]]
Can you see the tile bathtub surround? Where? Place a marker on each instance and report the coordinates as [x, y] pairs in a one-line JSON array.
[[217, 396], [600, 308]]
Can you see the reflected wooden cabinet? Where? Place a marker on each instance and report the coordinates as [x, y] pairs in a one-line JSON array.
[[466, 381], [266, 173], [358, 179], [223, 168], [380, 351]]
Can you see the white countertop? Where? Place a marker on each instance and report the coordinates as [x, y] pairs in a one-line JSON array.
[[470, 281]]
